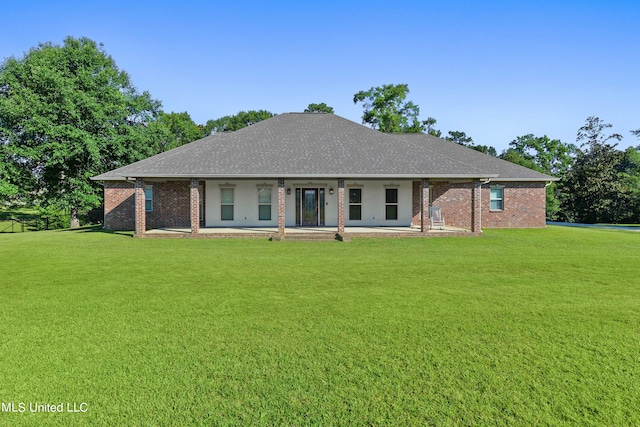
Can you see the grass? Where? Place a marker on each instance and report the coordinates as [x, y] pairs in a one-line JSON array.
[[519, 327], [19, 214]]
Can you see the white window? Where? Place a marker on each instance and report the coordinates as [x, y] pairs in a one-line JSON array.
[[391, 207], [264, 204], [226, 204], [148, 198], [355, 204], [496, 199]]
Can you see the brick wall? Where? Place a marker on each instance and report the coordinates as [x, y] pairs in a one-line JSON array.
[[524, 206], [416, 200], [456, 202], [171, 205], [119, 206]]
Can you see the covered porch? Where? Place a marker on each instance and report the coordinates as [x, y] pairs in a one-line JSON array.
[[304, 233], [420, 224]]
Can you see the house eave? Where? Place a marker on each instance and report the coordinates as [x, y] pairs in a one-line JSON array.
[[295, 176], [542, 179]]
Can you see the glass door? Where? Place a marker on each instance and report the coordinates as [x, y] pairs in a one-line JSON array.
[[310, 207]]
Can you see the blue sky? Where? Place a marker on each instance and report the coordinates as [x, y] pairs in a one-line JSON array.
[[493, 69]]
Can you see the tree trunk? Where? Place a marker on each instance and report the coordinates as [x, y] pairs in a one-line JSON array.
[[75, 222]]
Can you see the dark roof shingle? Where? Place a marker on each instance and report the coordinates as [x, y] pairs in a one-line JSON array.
[[318, 144]]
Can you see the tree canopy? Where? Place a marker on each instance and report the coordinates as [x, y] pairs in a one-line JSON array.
[[318, 108], [180, 129], [386, 109], [237, 121], [459, 137], [68, 113], [594, 186], [550, 156]]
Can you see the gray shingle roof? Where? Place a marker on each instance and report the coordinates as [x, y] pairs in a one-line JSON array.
[[319, 145], [505, 170]]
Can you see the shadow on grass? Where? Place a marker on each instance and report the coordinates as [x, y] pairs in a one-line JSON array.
[[95, 229]]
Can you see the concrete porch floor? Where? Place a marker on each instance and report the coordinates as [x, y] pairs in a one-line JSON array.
[[298, 231]]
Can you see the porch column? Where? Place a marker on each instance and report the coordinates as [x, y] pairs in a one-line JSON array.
[[416, 203], [424, 217], [281, 193], [194, 207], [140, 211], [476, 213], [340, 205]]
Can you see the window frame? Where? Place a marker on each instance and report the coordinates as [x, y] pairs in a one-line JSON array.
[[498, 200], [225, 204], [148, 198], [355, 207], [391, 204], [264, 204]]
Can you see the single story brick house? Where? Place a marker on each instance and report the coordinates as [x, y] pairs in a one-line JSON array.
[[305, 170]]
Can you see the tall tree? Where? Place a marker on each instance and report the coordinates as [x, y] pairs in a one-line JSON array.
[[631, 184], [429, 126], [459, 137], [486, 149], [67, 113], [181, 129], [386, 109], [237, 121], [318, 108], [593, 186], [462, 139], [550, 156], [9, 177]]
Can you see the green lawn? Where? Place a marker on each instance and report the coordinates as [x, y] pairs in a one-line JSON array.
[[18, 215], [518, 327]]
